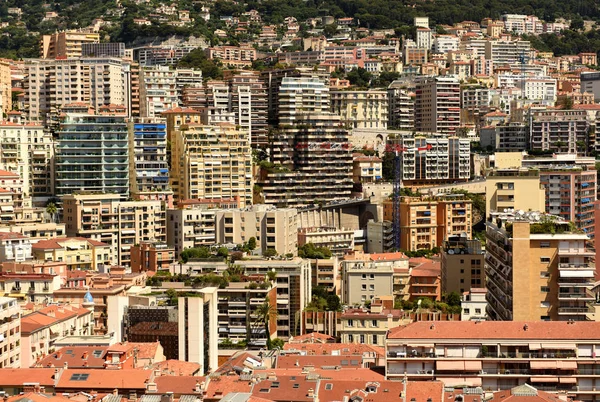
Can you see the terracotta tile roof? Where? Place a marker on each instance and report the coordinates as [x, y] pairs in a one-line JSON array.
[[286, 388], [348, 374], [79, 357], [388, 256], [509, 395], [558, 330], [177, 110], [177, 367], [59, 243], [359, 313], [342, 390], [126, 379], [37, 397], [178, 384], [334, 348], [293, 361], [237, 361], [36, 321], [12, 235], [221, 386], [312, 337], [17, 377]]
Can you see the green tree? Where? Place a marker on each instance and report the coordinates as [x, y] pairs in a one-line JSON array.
[[197, 59], [309, 250], [330, 30], [453, 299], [251, 243], [223, 252], [270, 252], [52, 210], [265, 313], [196, 252], [172, 295]]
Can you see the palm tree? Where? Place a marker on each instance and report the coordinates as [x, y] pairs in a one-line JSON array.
[[52, 210], [264, 314]]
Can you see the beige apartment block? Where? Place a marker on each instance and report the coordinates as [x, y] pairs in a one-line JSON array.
[[66, 44], [538, 267], [364, 278], [557, 356], [273, 228], [516, 188], [213, 162], [326, 273], [10, 316], [339, 241], [27, 150], [78, 253], [121, 224], [361, 109], [5, 87], [370, 327], [462, 264]]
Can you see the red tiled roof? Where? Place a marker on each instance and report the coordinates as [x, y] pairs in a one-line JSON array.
[[126, 379], [293, 361], [177, 367], [37, 397], [17, 377], [554, 330], [81, 356], [12, 235], [177, 110], [178, 384], [221, 386], [330, 348], [57, 243], [313, 336], [388, 256]]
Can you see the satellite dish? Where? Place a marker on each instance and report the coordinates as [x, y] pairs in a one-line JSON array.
[[520, 212], [505, 210], [450, 251]]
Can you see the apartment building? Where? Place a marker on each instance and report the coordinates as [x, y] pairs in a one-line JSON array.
[[229, 55], [565, 131], [50, 84], [432, 159], [66, 44], [237, 321], [273, 228], [570, 183], [426, 222], [514, 188], [152, 256], [361, 109], [538, 268], [191, 227], [10, 316], [5, 86], [339, 241], [293, 290], [300, 96], [77, 253], [120, 224], [462, 264], [211, 162], [437, 104], [370, 326], [14, 247], [29, 286], [474, 102], [557, 356], [41, 329], [110, 49], [501, 51], [401, 103], [91, 154], [148, 167], [325, 273], [366, 169], [511, 137], [312, 162], [158, 90], [27, 150], [425, 281], [474, 305], [365, 278], [380, 236], [198, 330]]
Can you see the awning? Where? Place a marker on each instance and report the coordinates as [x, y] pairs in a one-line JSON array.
[[453, 381], [567, 364], [237, 330], [127, 231], [543, 365], [87, 209], [473, 382], [535, 346], [568, 380], [544, 379], [576, 274], [473, 365], [419, 345], [55, 329], [7, 208], [560, 346], [450, 365]]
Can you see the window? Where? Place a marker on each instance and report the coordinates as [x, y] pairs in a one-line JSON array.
[[374, 340], [364, 276], [350, 338], [362, 338], [544, 274], [545, 260], [374, 323], [79, 377], [329, 387], [462, 271], [545, 304], [372, 276], [544, 289], [371, 287], [462, 280], [544, 244], [350, 323], [477, 311], [466, 310], [364, 287]]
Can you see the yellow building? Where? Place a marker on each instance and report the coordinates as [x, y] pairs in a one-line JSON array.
[[212, 162], [66, 44], [425, 222], [538, 267], [76, 252], [5, 87], [361, 109], [517, 189]]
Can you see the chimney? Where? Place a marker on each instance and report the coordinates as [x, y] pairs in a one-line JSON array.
[[85, 355], [167, 397], [151, 387], [525, 327], [66, 365], [198, 387], [132, 396], [310, 393], [115, 392]]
